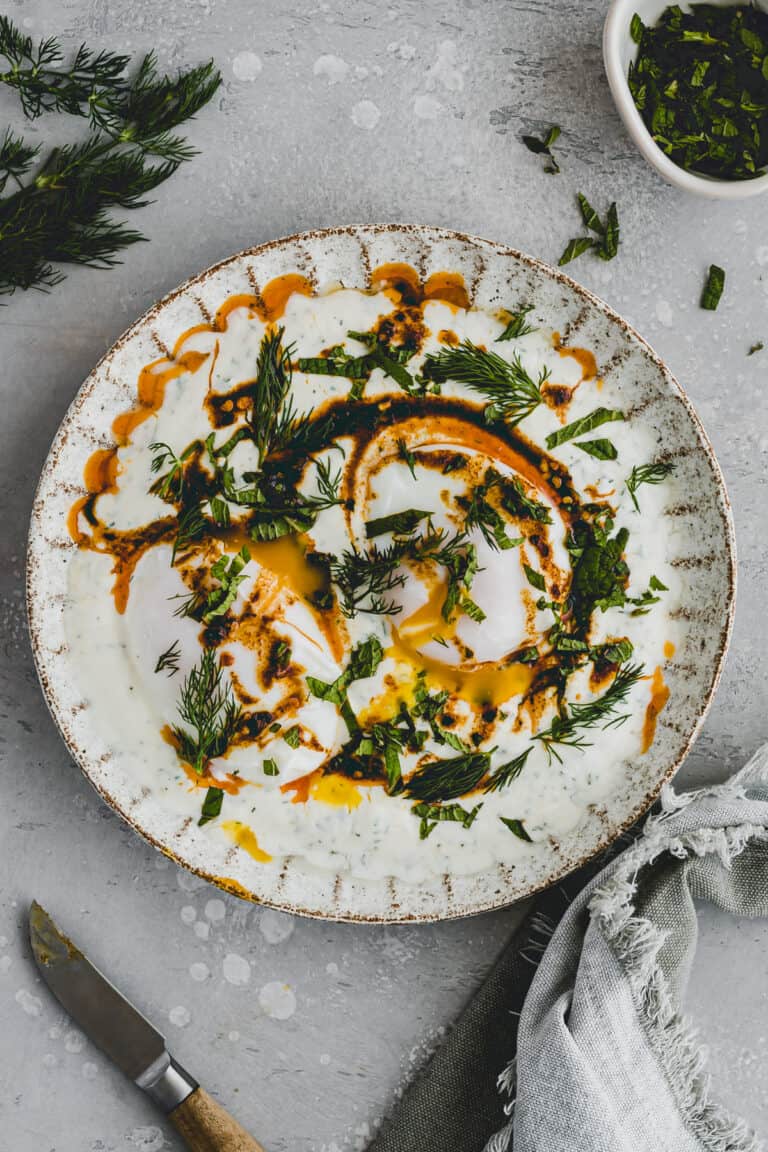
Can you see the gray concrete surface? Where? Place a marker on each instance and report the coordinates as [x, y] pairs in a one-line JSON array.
[[337, 112]]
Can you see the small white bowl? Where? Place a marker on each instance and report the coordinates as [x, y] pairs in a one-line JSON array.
[[619, 50]]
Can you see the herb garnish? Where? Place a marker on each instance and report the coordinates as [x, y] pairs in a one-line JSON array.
[[517, 827], [432, 814], [292, 736], [606, 244], [506, 773], [584, 424], [600, 449], [447, 779], [270, 768], [758, 347], [189, 529], [171, 485], [399, 523], [543, 147], [211, 805], [564, 731], [643, 603], [61, 214], [700, 82], [363, 578], [363, 662], [517, 325], [511, 392], [228, 574], [272, 385], [575, 248], [338, 362], [713, 289], [208, 707], [408, 458], [516, 501], [535, 578], [600, 573], [169, 660], [646, 474], [482, 515]]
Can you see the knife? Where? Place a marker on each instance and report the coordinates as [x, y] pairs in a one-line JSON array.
[[131, 1041]]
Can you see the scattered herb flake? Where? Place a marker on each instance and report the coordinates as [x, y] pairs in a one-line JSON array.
[[543, 147], [399, 523], [431, 815], [584, 424], [576, 247], [292, 736], [600, 449], [517, 828], [535, 578], [713, 289], [211, 805], [506, 773], [169, 660], [646, 474]]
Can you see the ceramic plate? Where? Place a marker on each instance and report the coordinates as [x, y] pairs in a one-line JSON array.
[[702, 541]]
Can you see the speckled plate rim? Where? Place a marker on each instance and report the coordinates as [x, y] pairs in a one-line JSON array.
[[401, 906]]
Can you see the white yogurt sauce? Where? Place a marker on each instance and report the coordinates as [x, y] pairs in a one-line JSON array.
[[117, 654]]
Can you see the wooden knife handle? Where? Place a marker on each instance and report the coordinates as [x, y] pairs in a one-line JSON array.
[[206, 1127]]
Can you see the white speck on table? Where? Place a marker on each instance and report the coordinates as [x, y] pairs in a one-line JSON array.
[[333, 112]]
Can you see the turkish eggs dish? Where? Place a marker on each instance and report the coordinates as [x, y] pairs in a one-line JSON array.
[[376, 578]]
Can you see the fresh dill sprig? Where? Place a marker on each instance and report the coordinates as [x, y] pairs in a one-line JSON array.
[[207, 707], [42, 86], [190, 527], [271, 388], [646, 474], [153, 105], [517, 325], [16, 158], [302, 435], [328, 486], [506, 773], [364, 578], [170, 485], [448, 779], [511, 392], [61, 213], [566, 730], [458, 556], [168, 661]]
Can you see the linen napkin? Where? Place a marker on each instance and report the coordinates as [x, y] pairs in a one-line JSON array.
[[601, 1058]]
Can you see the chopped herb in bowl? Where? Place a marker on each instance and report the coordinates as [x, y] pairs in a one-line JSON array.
[[700, 83]]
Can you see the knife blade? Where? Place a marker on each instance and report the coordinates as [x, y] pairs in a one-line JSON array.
[[130, 1040]]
